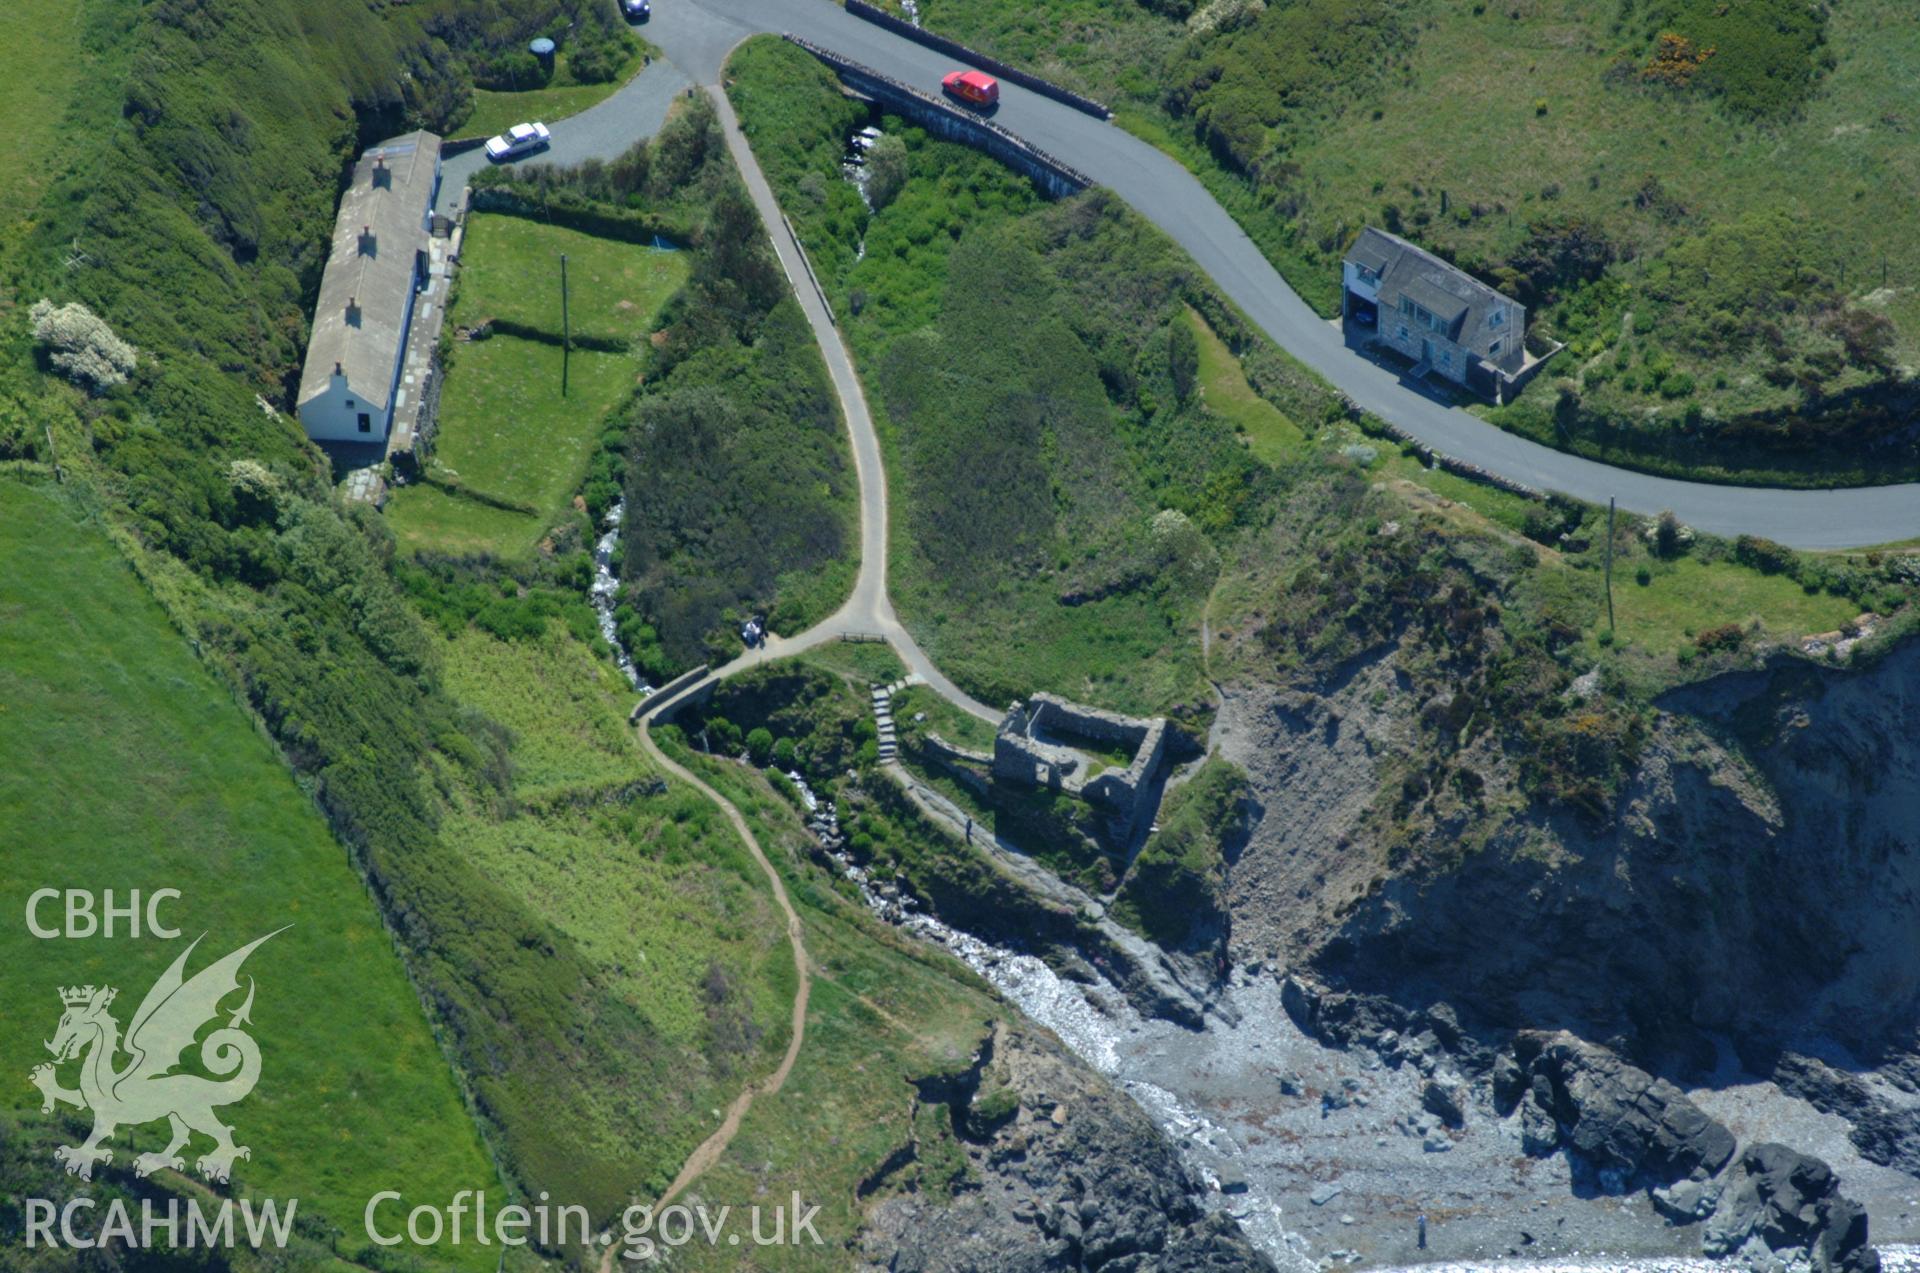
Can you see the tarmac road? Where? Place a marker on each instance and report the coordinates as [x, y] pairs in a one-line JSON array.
[[696, 36]]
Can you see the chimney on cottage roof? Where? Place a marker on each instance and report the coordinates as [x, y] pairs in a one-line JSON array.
[[369, 245]]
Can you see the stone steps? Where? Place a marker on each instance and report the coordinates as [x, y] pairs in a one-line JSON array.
[[883, 719]]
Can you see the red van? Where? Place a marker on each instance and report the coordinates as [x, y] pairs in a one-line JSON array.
[[974, 88]]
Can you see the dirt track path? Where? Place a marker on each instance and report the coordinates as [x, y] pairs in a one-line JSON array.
[[709, 1150], [868, 611]]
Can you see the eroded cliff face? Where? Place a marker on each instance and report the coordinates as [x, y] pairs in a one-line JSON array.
[[1760, 876]]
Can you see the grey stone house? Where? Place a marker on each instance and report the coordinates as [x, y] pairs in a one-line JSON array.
[[1440, 317]]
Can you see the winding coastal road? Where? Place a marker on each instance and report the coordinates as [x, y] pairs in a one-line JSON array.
[[696, 36]]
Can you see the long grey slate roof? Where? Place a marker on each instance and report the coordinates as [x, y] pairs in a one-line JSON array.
[[359, 321]]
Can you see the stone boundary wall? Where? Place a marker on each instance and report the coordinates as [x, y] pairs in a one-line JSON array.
[[1129, 790], [948, 122], [1050, 711], [1434, 458], [671, 697], [1025, 79], [943, 752]]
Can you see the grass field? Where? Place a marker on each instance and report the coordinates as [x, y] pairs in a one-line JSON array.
[[40, 62], [124, 765], [505, 429], [1686, 597], [495, 112], [426, 517], [510, 268]]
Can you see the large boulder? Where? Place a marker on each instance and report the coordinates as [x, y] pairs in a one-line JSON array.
[[1628, 1123], [1782, 1200], [1445, 1101]]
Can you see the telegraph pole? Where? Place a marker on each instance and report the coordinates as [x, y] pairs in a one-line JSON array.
[[566, 328], [1609, 563]]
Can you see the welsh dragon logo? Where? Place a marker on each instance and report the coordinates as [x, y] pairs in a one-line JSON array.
[[145, 1088]]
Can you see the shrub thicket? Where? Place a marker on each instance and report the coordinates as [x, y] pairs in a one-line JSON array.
[[1242, 89], [1762, 58]]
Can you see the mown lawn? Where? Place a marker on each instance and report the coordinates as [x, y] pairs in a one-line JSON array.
[[495, 112], [123, 765], [505, 430], [510, 268], [430, 518]]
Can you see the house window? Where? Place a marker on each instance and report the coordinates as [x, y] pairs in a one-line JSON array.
[[366, 423], [1403, 331], [1498, 320], [1493, 350], [1446, 358], [349, 404]]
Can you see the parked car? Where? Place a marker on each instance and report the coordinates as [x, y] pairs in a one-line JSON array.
[[975, 88], [521, 139], [637, 10]]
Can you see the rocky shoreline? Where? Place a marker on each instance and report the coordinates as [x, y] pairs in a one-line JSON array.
[[1327, 1124]]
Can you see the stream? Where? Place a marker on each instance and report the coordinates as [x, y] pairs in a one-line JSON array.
[[1097, 1023], [606, 592], [1281, 1163]]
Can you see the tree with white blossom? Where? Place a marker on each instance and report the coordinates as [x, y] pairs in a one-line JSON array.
[[81, 345]]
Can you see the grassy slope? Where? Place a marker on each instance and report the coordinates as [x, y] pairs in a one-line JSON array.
[[40, 62], [975, 441], [884, 1010], [897, 274], [646, 882], [124, 765], [1267, 431], [291, 598]]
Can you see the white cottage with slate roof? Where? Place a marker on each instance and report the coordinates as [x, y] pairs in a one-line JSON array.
[[379, 264], [1440, 317]]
